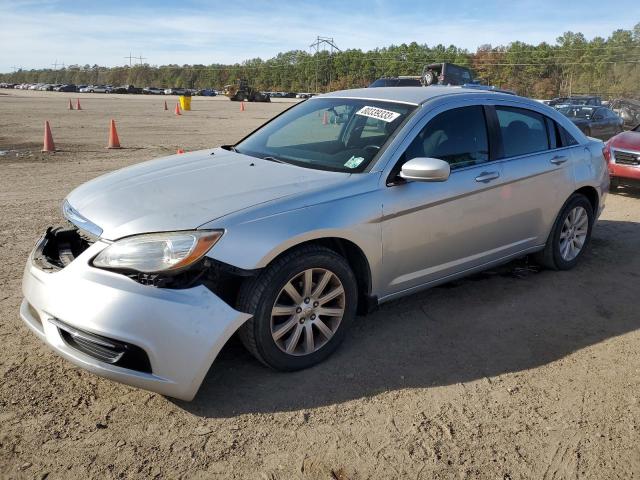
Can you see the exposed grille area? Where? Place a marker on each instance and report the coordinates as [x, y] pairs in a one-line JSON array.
[[59, 247], [104, 349], [626, 158]]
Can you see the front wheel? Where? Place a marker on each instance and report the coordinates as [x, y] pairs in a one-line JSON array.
[[302, 305], [570, 234]]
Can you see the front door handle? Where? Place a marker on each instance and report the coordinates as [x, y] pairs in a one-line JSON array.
[[486, 177], [559, 159]]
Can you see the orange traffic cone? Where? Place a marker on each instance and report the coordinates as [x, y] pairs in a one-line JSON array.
[[180, 151], [114, 141], [325, 118], [48, 145], [70, 105], [78, 104], [242, 106], [165, 105], [178, 109]]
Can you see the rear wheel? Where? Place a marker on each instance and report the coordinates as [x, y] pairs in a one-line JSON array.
[[302, 305], [570, 234]]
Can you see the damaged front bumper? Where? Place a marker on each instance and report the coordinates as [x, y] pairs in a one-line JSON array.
[[158, 339]]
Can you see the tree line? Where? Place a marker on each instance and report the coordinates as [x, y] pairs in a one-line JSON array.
[[607, 66]]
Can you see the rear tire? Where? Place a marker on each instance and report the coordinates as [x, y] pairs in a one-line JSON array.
[[569, 236], [429, 78], [274, 310]]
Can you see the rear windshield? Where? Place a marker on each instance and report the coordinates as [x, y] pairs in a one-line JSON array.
[[577, 111], [337, 134]]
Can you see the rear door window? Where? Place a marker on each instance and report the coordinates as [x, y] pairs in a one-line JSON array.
[[523, 131]]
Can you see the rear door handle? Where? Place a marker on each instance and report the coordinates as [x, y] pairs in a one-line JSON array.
[[486, 177], [559, 159]]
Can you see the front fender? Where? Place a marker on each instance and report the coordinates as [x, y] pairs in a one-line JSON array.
[[253, 244]]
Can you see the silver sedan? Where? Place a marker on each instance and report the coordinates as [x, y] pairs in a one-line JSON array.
[[341, 203]]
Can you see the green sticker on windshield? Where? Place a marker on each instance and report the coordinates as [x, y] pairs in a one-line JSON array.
[[353, 162]]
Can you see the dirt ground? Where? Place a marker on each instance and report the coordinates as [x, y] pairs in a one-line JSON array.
[[511, 374]]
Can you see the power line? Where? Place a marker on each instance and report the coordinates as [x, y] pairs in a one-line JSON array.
[[130, 57]]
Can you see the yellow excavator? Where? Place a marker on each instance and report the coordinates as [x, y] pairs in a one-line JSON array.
[[241, 91]]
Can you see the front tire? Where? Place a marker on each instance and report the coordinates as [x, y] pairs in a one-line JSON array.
[[570, 235], [302, 305]]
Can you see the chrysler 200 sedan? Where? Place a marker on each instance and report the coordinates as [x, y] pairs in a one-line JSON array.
[[343, 202]]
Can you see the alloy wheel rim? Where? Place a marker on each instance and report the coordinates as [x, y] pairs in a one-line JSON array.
[[574, 233], [307, 312]]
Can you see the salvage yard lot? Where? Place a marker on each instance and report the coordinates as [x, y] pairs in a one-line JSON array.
[[509, 374]]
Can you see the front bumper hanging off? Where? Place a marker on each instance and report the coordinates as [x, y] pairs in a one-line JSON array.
[[158, 339]]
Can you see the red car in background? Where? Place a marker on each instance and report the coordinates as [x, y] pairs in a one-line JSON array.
[[623, 155]]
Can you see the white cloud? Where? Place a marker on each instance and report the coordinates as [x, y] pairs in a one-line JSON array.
[[41, 35]]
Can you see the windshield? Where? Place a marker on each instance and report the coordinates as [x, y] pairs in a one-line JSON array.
[[577, 112], [342, 135]]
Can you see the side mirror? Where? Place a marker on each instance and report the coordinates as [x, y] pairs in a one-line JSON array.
[[424, 169]]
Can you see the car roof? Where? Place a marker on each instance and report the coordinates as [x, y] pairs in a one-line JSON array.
[[410, 95]]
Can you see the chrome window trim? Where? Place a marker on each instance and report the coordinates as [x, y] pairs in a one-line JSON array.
[[382, 100], [427, 114]]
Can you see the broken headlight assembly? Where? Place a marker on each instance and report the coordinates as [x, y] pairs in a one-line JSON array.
[[167, 253]]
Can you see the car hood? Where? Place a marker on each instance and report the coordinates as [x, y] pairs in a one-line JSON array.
[[627, 140], [185, 191]]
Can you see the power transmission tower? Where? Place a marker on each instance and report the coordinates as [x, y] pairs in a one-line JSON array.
[[55, 64], [324, 42], [141, 58], [130, 57]]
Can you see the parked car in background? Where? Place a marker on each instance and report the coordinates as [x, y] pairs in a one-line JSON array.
[[99, 88], [591, 100], [67, 88], [126, 89], [623, 156], [598, 122], [206, 92], [175, 91], [282, 236], [403, 81], [153, 91], [432, 74], [628, 109], [446, 74]]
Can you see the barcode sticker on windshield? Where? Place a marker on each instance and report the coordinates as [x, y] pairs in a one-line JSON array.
[[378, 113]]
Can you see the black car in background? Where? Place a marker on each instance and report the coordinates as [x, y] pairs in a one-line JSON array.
[[66, 88], [591, 100], [125, 89], [598, 122], [446, 74], [404, 81], [432, 74]]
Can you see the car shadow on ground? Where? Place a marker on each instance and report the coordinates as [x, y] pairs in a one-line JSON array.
[[504, 320]]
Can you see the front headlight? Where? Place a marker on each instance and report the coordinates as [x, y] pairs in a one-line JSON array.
[[157, 252]]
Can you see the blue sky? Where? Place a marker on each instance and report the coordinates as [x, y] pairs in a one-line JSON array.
[[35, 33]]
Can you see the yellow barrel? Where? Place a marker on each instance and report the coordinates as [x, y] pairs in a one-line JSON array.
[[185, 102]]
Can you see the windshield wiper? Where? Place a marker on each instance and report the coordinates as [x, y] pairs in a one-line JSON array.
[[274, 159]]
